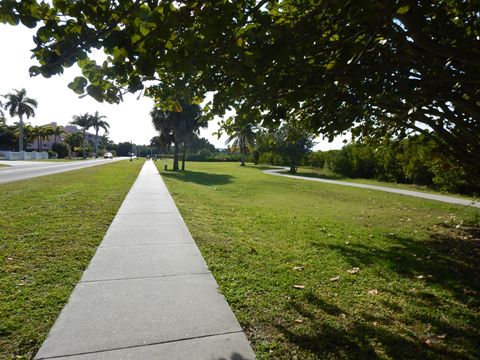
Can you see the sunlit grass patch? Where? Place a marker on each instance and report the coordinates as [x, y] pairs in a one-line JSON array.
[[318, 271], [50, 227]]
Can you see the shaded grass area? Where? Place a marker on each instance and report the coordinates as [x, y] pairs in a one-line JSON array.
[[329, 175], [49, 229], [285, 253]]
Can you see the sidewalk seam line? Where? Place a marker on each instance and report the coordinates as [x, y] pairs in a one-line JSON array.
[[122, 246], [144, 345], [143, 277], [146, 244]]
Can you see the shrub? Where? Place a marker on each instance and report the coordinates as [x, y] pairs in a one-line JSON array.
[[61, 149], [52, 154], [315, 159]]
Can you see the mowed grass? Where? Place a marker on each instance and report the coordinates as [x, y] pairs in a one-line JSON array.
[[329, 175], [285, 253], [49, 229]]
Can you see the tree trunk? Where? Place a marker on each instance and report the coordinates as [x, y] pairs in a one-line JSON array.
[[175, 156], [83, 145], [20, 131], [96, 142], [243, 150], [293, 169], [183, 158]]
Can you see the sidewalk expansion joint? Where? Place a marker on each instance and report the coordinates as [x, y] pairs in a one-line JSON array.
[[144, 277], [142, 345], [120, 212], [146, 244], [142, 226]]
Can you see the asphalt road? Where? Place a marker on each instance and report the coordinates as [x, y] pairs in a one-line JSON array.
[[442, 198], [21, 170]]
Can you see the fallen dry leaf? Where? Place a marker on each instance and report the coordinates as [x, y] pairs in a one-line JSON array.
[[299, 286], [299, 321], [373, 292], [335, 278], [435, 339], [431, 341], [424, 276], [299, 268], [354, 270]]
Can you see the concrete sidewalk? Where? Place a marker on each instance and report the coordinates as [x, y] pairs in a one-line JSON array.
[[147, 293]]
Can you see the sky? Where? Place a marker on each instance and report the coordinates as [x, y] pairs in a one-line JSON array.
[[129, 120]]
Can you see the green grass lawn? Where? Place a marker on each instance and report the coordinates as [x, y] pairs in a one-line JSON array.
[[319, 271], [49, 229], [327, 174], [4, 166]]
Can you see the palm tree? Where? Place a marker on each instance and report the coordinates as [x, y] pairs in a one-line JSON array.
[[19, 105], [84, 121], [97, 123], [178, 126], [40, 133], [192, 121], [35, 133], [57, 131], [46, 132], [29, 133], [164, 122], [243, 138]]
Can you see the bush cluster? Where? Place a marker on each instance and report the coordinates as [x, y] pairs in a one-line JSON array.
[[413, 161]]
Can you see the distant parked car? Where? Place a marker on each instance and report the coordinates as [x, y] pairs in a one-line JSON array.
[[108, 155]]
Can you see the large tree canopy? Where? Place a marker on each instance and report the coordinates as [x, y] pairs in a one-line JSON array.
[[378, 67]]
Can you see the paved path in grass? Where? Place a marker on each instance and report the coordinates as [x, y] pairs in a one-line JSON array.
[[442, 198], [21, 170], [147, 293]]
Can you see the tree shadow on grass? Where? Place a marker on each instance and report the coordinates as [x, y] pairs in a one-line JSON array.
[[198, 177], [445, 260], [448, 261], [355, 340]]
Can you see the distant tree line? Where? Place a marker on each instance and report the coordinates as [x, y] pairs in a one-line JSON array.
[[414, 160]]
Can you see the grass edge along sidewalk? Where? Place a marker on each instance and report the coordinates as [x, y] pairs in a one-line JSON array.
[[316, 270], [147, 293], [50, 227]]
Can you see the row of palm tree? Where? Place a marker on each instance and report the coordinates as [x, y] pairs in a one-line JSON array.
[[87, 121], [19, 104]]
